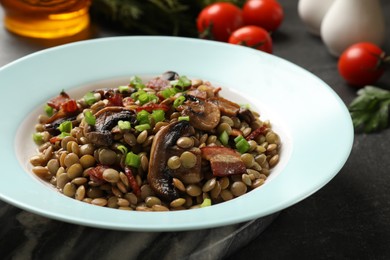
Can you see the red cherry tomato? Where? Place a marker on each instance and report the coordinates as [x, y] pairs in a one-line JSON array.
[[264, 13], [361, 64], [252, 36], [217, 21]]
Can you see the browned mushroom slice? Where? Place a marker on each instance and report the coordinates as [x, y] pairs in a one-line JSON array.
[[224, 161], [203, 114], [246, 115], [106, 119], [164, 147], [226, 107]]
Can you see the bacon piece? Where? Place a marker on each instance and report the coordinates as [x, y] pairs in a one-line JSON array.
[[150, 107], [115, 100], [96, 173], [69, 106], [224, 161], [226, 107], [158, 84], [132, 181], [197, 93], [58, 100], [255, 133]]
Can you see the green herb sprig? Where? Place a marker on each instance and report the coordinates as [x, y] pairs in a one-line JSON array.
[[370, 109]]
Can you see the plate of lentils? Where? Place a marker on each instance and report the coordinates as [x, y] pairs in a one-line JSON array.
[[151, 133]]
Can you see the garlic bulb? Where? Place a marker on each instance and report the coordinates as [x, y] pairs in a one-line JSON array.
[[312, 13], [352, 21]]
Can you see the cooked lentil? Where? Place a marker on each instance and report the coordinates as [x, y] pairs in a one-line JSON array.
[[91, 162]]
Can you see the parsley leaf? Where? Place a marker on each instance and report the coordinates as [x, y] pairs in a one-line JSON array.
[[370, 109]]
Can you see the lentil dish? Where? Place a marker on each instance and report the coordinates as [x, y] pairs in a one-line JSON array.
[[169, 143]]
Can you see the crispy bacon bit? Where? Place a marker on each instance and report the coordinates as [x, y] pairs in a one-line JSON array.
[[67, 109], [96, 173], [226, 107], [128, 101], [235, 132], [158, 84], [115, 100], [55, 139], [197, 93], [255, 133], [59, 100], [224, 161], [151, 107], [69, 106], [132, 182]]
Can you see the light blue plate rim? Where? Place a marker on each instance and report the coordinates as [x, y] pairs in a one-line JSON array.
[[316, 124]]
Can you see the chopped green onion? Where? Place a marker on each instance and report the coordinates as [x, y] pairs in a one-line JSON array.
[[90, 118], [122, 148], [182, 83], [123, 89], [242, 146], [136, 82], [168, 92], [124, 125], [136, 94], [179, 101], [63, 134], [238, 138], [38, 138], [89, 98], [143, 98], [224, 138], [247, 106], [142, 127], [184, 118], [158, 115], [65, 127], [206, 203], [143, 117], [132, 160], [48, 110]]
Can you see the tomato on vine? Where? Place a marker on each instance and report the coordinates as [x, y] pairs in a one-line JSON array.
[[362, 64], [217, 21], [252, 36], [267, 14]]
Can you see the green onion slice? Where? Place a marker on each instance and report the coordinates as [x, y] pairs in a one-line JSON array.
[[124, 125], [142, 127], [89, 118], [38, 138], [179, 101], [158, 115], [48, 110], [224, 138], [184, 118], [89, 98], [65, 127], [132, 160]]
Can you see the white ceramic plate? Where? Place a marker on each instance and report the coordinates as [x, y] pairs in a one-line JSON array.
[[313, 122]]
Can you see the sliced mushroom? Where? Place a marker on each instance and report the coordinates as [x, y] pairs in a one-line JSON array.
[[203, 114], [164, 147], [246, 115], [106, 119], [224, 161]]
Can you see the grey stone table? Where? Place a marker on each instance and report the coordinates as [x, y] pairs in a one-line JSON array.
[[346, 219]]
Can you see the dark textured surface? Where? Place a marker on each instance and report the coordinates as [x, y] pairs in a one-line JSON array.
[[347, 219]]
